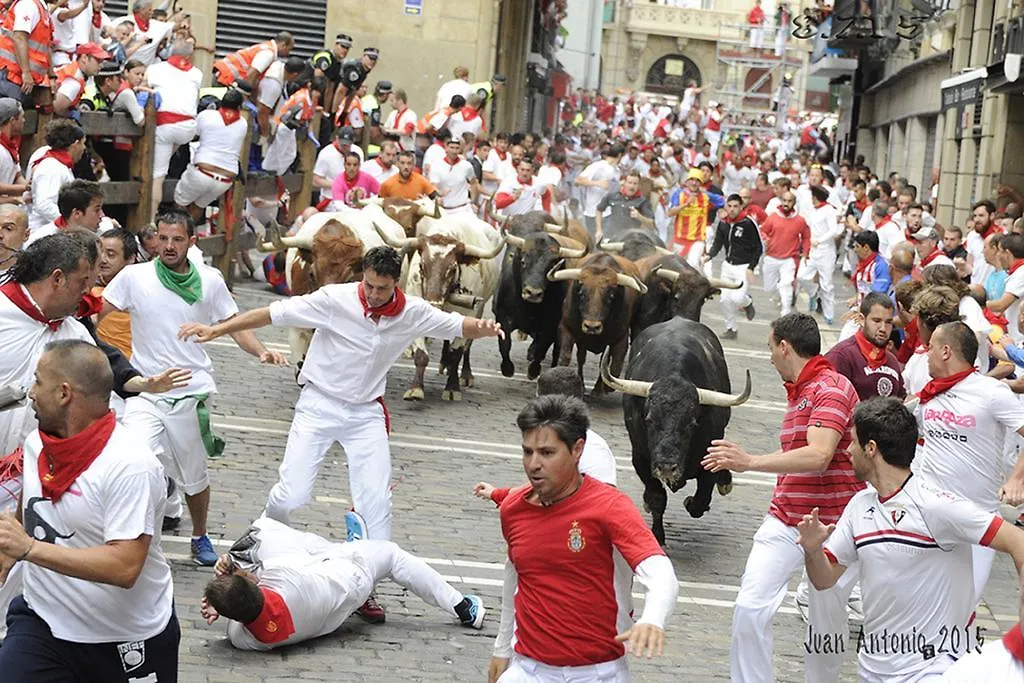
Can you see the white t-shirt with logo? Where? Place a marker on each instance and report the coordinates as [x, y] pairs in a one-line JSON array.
[[916, 542], [964, 429], [119, 497], [157, 313]]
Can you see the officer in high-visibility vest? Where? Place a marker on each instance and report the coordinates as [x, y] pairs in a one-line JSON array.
[[327, 63], [488, 89], [371, 114]]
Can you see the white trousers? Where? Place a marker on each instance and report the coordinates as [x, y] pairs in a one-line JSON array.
[[733, 300], [319, 422], [820, 263], [757, 38], [773, 559], [195, 187], [281, 151], [779, 274], [982, 558], [174, 432], [525, 670], [714, 137], [168, 138]]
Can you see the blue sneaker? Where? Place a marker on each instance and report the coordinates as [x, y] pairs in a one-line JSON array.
[[475, 618], [812, 304], [203, 553], [355, 526]]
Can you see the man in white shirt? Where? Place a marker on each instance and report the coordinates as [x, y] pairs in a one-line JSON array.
[[72, 26], [926, 244], [522, 193], [214, 164], [280, 586], [98, 599], [1011, 253], [177, 81], [383, 165], [149, 31], [598, 179], [162, 295], [737, 175], [907, 537], [80, 203], [964, 417], [343, 379], [12, 121], [401, 123], [331, 159], [453, 177], [889, 234], [984, 214], [497, 166], [1000, 660], [459, 85], [820, 263], [467, 119], [270, 92], [52, 170]]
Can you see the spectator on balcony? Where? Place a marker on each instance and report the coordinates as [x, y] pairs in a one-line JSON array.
[[783, 17], [755, 19]]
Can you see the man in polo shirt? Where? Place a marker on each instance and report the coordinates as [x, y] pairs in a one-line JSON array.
[[454, 178], [907, 537], [627, 208], [814, 473], [864, 358], [407, 183]]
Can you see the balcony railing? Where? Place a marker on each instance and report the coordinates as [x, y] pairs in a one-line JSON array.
[[680, 22]]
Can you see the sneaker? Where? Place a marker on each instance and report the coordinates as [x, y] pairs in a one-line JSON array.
[[830, 321], [171, 524], [729, 334], [203, 553], [812, 304], [372, 611], [355, 526], [475, 619], [749, 310]]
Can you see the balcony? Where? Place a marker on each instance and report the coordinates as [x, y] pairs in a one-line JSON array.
[[680, 22]]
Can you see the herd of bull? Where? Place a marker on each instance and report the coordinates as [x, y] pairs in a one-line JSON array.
[[551, 282]]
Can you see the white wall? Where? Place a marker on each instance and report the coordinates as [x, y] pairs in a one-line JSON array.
[[581, 54]]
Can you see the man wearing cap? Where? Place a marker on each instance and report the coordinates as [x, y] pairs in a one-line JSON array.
[[353, 75], [110, 92], [371, 105], [401, 123], [331, 159], [488, 89], [71, 77], [12, 120], [327, 63], [926, 244], [215, 162], [689, 206]]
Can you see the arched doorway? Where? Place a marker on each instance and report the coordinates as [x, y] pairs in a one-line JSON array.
[[670, 74]]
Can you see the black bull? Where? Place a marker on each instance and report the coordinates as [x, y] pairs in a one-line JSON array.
[[676, 401]]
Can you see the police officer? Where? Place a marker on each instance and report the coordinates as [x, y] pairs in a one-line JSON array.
[[327, 63], [353, 75], [488, 89]]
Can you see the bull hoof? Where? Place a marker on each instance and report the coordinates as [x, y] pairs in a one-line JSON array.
[[521, 336], [533, 372], [468, 380], [448, 395], [724, 489], [414, 394], [441, 370], [688, 504], [508, 368]]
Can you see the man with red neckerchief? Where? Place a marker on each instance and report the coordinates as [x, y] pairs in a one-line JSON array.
[[52, 170], [984, 214], [362, 329], [864, 358], [1011, 253], [964, 417], [522, 194], [814, 472], [71, 77], [98, 598], [926, 244]]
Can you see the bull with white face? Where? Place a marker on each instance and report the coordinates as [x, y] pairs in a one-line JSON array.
[[454, 267]]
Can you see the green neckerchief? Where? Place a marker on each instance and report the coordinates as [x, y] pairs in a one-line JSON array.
[[189, 286]]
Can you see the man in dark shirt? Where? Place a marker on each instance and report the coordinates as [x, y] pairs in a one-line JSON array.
[[864, 358], [737, 232], [953, 243], [630, 208]]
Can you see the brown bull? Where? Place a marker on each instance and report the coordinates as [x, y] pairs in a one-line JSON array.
[[407, 212]]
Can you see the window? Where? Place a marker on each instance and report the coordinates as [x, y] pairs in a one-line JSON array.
[[241, 23]]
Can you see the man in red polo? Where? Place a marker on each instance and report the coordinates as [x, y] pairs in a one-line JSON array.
[[864, 358]]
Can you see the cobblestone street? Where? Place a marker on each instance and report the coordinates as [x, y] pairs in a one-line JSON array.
[[439, 451]]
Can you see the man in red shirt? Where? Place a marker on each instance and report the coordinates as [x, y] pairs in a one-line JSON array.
[[814, 472], [864, 358], [787, 242], [755, 18], [561, 532]]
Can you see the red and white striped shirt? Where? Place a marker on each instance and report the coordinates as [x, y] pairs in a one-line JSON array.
[[826, 401]]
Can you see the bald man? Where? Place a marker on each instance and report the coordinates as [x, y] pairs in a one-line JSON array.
[[13, 233], [901, 265], [98, 599]]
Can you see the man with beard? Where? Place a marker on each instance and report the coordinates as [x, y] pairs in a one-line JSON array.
[[382, 167], [161, 296], [627, 208], [984, 213], [863, 358], [407, 183]]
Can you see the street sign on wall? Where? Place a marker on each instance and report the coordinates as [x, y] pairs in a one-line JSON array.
[[414, 7]]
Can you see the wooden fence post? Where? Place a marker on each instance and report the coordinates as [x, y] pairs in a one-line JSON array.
[[140, 169], [307, 152]]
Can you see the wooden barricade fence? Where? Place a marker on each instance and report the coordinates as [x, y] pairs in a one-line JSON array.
[[137, 193]]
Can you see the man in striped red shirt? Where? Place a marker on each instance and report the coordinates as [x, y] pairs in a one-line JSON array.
[[814, 472]]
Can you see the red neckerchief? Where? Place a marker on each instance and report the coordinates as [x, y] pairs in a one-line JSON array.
[[451, 163], [61, 223], [143, 24], [229, 116], [274, 623], [97, 18], [1013, 641], [861, 204], [911, 337], [629, 196], [12, 145], [1016, 264], [501, 155], [814, 367], [16, 293], [472, 114], [337, 146], [390, 309], [885, 219], [936, 252], [379, 163], [864, 264], [874, 356], [992, 229], [997, 319], [179, 62], [61, 155], [943, 384], [62, 461]]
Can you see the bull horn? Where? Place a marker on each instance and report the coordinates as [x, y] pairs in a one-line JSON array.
[[554, 229], [555, 274], [474, 251], [614, 247], [631, 282], [567, 252], [707, 397], [376, 201], [266, 248], [724, 284], [502, 221], [513, 241], [437, 209], [464, 300], [633, 387], [666, 274], [663, 251], [399, 244], [273, 229]]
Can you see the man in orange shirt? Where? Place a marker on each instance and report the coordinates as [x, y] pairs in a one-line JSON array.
[[118, 248], [407, 183]]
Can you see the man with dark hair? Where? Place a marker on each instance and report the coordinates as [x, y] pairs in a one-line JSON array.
[[626, 208], [933, 306], [739, 236], [408, 183], [280, 586], [453, 177], [50, 169], [816, 271], [353, 184], [953, 243], [549, 583], [787, 243], [597, 180], [80, 203], [864, 358], [94, 575], [964, 417], [814, 473], [118, 248], [906, 536], [343, 380], [161, 296], [871, 274], [1011, 257], [984, 214]]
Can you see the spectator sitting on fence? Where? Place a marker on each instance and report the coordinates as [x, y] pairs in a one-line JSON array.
[[12, 183]]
